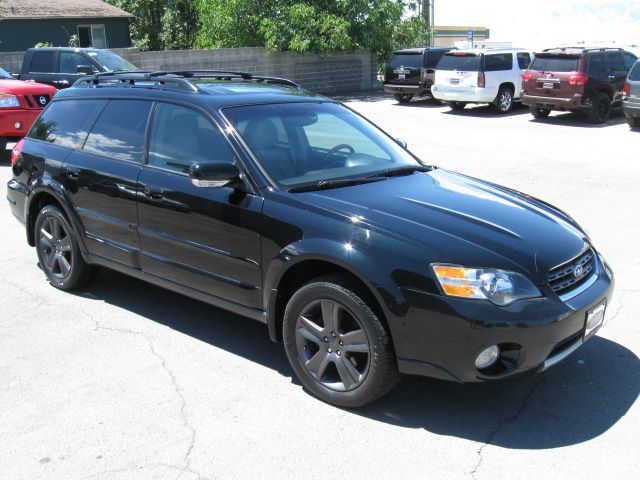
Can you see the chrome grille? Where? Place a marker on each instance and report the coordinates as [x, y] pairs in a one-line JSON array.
[[572, 274]]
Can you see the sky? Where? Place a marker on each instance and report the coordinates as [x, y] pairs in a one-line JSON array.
[[546, 23]]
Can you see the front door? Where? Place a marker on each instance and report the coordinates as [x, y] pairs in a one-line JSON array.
[[203, 238]]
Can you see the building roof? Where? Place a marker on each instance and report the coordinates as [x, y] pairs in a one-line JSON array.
[[43, 9]]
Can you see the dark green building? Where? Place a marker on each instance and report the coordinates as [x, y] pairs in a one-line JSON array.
[[24, 23]]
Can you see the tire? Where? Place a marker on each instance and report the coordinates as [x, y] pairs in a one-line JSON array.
[[58, 251], [347, 359], [403, 97], [3, 146], [634, 122], [457, 106], [538, 112], [600, 108], [504, 100]]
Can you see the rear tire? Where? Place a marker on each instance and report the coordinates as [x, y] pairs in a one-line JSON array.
[[538, 112], [337, 345], [504, 100], [403, 97], [600, 108], [634, 122], [58, 251], [457, 106]]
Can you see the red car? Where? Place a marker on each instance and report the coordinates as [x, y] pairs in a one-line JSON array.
[[20, 104]]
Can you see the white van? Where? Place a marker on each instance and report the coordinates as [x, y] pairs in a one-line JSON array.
[[481, 76]]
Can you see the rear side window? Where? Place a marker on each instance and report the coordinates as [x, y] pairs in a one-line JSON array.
[[634, 75], [413, 60], [597, 63], [498, 62], [67, 122], [524, 59], [629, 60], [557, 63], [464, 62], [182, 136], [616, 62], [433, 57], [43, 62], [120, 130]]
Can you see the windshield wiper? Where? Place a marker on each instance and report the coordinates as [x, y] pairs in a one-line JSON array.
[[400, 171], [328, 184]]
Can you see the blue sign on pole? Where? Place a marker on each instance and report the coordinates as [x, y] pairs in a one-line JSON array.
[[469, 35]]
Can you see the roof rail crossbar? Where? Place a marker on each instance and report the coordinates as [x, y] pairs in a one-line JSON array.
[[223, 74], [131, 78]]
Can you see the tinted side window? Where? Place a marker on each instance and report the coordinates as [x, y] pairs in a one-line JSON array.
[[629, 60], [182, 136], [120, 130], [597, 63], [67, 122], [433, 57], [524, 59], [69, 62], [634, 75], [498, 62], [43, 62]]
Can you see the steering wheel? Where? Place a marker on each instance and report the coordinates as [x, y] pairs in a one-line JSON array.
[[334, 150]]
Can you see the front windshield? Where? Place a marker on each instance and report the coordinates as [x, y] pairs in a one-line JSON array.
[[5, 74], [301, 144], [111, 61]]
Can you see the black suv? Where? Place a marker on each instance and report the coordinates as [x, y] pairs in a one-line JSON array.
[[587, 80], [288, 208], [411, 71]]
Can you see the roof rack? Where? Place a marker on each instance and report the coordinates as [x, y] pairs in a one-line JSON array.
[[586, 49], [179, 78]]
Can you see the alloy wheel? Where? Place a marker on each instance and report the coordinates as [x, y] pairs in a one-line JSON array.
[[56, 248], [332, 345]]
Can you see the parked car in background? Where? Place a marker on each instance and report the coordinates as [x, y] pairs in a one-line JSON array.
[[20, 104], [62, 66], [481, 76], [286, 207], [588, 80], [411, 71], [631, 97]]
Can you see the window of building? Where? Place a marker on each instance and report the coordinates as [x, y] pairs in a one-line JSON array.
[[92, 36]]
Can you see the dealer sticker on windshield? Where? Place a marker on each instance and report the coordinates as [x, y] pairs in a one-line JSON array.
[[595, 318]]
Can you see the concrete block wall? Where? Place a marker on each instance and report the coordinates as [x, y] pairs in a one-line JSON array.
[[333, 73]]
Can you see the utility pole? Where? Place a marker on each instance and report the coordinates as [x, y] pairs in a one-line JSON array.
[[427, 13]]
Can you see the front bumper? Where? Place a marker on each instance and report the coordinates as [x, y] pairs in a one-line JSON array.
[[10, 118], [463, 94], [574, 102], [442, 336]]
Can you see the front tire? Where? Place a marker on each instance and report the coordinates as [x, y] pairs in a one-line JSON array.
[[337, 345], [504, 100], [58, 251], [403, 97]]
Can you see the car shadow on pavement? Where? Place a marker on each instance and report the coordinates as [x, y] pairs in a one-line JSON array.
[[486, 111], [574, 402], [576, 119]]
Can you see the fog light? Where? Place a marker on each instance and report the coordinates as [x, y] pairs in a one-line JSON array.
[[17, 125], [488, 357]]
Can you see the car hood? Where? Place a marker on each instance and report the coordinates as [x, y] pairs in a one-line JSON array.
[[462, 220], [25, 88]]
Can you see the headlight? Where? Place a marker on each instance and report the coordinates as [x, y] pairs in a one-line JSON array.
[[8, 100], [497, 286]]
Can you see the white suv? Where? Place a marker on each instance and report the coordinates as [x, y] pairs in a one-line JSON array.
[[481, 76]]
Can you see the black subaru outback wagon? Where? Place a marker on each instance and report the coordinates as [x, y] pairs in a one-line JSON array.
[[286, 207]]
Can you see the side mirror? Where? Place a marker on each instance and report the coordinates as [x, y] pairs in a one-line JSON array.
[[401, 142], [215, 174], [84, 70]]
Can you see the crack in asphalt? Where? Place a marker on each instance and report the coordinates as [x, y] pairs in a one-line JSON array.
[[178, 392], [496, 431]]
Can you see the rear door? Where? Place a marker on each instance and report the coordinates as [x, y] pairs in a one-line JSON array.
[[405, 68], [42, 67], [458, 71], [551, 76], [617, 74], [498, 69], [102, 180], [204, 238]]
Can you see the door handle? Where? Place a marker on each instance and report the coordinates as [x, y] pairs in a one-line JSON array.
[[153, 193], [72, 172]]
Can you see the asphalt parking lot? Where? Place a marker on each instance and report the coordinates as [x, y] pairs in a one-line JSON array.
[[128, 381]]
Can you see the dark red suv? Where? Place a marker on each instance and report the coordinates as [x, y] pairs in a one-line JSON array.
[[577, 79]]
